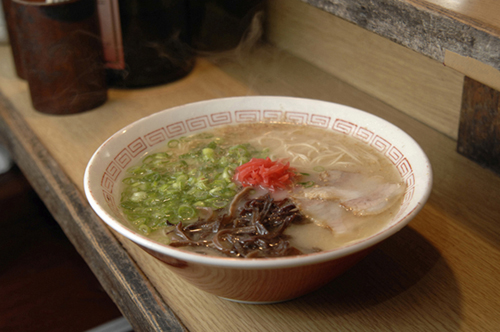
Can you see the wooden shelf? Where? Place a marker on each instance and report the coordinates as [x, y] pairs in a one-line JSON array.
[[469, 28], [439, 273]]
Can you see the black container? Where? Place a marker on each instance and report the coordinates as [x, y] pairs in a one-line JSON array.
[[151, 41]]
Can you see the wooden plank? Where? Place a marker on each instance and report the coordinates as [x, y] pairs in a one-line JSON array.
[[479, 134], [423, 26], [474, 69], [114, 268], [482, 14]]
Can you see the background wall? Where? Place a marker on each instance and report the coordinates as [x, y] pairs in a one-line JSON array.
[[417, 85]]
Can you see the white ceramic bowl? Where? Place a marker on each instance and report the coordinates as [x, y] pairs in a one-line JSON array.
[[255, 280]]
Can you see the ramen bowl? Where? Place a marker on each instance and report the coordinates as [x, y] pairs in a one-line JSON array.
[[254, 280]]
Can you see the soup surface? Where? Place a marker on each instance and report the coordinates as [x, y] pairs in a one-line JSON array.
[[262, 190]]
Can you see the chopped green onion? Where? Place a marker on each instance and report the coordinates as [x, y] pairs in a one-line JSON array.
[[307, 184], [186, 212], [139, 196], [173, 143], [165, 189], [208, 153], [144, 229]]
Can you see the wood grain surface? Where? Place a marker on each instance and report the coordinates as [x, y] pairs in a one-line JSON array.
[[474, 69], [480, 13], [411, 82], [440, 273], [427, 27]]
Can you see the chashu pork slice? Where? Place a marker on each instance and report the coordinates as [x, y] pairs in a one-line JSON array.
[[359, 193], [325, 213], [376, 201]]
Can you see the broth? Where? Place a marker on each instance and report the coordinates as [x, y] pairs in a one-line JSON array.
[[342, 189]]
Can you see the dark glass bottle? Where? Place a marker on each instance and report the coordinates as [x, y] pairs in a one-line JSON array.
[[149, 40]]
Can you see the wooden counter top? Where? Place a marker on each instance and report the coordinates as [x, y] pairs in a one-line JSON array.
[[441, 273]]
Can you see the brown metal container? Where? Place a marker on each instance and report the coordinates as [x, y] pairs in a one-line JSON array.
[[62, 54]]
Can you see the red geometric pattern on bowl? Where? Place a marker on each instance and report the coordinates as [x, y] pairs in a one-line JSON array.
[[113, 170], [222, 118], [297, 117], [320, 121], [132, 150], [206, 121], [156, 137], [176, 129], [124, 158], [394, 155], [404, 168], [136, 147], [272, 115], [247, 116], [344, 127], [410, 180], [198, 123], [107, 183], [364, 135], [380, 144]]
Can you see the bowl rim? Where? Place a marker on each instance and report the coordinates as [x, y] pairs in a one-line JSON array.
[[259, 263]]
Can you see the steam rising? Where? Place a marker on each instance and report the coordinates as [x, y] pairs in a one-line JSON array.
[[250, 39]]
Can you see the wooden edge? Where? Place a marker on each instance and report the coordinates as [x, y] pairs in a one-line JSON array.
[[454, 15], [474, 69], [417, 25], [114, 268]]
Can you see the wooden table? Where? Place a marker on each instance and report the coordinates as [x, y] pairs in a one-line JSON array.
[[442, 272]]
